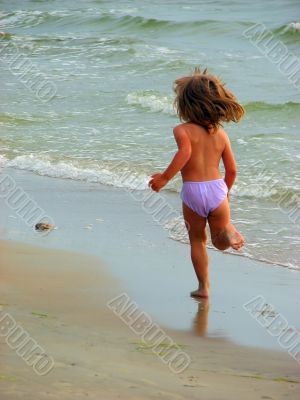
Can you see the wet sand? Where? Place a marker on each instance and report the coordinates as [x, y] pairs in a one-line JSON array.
[[60, 297]]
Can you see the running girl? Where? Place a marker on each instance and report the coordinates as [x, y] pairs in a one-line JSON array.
[[203, 103]]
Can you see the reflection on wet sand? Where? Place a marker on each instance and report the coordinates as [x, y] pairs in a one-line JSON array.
[[201, 318]]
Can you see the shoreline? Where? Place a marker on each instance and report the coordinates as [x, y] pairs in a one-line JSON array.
[[170, 196], [107, 223]]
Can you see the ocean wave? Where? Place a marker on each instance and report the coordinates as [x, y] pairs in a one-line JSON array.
[[12, 119], [140, 23], [294, 27], [118, 174], [134, 49], [278, 107], [152, 100], [266, 189], [114, 19], [72, 39], [137, 22], [6, 35], [291, 28], [290, 32], [155, 101], [124, 174], [22, 18]]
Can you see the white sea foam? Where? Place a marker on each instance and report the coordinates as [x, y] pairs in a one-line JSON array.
[[119, 174], [295, 26], [123, 11], [176, 231], [151, 100], [254, 190], [3, 161]]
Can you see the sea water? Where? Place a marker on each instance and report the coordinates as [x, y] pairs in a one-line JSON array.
[[112, 64]]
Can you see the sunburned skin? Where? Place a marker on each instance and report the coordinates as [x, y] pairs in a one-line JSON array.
[[207, 149], [198, 157]]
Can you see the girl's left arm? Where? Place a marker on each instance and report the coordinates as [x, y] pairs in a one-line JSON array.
[[181, 157]]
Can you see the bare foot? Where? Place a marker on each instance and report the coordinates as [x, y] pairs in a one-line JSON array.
[[201, 292], [235, 238]]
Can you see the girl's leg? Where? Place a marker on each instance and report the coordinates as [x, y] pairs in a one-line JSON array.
[[223, 233], [196, 229]]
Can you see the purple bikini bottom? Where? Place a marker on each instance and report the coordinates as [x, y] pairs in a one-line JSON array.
[[204, 197]]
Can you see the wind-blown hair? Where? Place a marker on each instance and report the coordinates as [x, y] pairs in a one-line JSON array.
[[202, 99]]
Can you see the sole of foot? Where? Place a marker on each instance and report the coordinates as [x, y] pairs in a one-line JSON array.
[[236, 239], [200, 293]]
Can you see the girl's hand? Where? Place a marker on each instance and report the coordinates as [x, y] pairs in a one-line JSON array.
[[157, 182]]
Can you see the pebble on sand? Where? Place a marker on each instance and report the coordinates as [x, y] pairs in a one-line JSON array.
[[43, 226]]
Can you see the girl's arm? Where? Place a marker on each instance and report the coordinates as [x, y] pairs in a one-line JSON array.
[[229, 164], [179, 160]]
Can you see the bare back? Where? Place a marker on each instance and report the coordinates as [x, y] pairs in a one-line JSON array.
[[207, 150]]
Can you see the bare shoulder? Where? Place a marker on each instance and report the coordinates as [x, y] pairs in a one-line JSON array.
[[222, 135], [180, 130], [221, 132], [189, 129]]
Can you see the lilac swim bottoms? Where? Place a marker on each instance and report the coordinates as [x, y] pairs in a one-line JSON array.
[[204, 197]]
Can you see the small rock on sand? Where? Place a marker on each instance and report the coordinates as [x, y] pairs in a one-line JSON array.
[[43, 226]]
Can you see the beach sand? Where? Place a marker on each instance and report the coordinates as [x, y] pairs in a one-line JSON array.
[[59, 296]]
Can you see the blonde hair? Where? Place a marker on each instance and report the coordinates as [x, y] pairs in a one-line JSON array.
[[201, 98]]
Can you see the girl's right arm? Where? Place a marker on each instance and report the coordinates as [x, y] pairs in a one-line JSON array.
[[229, 164], [181, 157]]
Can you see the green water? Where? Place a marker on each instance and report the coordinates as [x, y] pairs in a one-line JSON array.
[[112, 65]]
